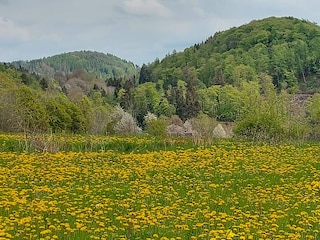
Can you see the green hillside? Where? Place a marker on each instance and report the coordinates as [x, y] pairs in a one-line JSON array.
[[103, 66], [287, 49]]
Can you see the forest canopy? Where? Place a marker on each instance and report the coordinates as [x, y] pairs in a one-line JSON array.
[[285, 48]]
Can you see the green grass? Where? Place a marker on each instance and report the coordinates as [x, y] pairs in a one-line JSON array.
[[230, 190], [90, 143]]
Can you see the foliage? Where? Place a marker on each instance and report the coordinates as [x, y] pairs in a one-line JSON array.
[[285, 48], [313, 111], [30, 108], [249, 75], [102, 65], [156, 126], [192, 105], [263, 127], [64, 115], [208, 100], [144, 74], [29, 111], [209, 76], [21, 106], [149, 117], [261, 117], [203, 125], [313, 108], [229, 103], [7, 87], [176, 120], [123, 122], [146, 98], [165, 108]]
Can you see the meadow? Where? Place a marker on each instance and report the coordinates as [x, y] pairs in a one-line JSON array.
[[144, 188]]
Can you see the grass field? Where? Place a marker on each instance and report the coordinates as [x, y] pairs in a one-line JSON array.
[[230, 190]]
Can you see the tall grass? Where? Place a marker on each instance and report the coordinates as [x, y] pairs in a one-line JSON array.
[[133, 188], [90, 143]]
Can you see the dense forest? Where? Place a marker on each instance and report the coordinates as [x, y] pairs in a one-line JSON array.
[[263, 77], [101, 65], [287, 49]]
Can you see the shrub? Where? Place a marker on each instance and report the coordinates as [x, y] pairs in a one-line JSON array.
[[203, 125], [123, 122], [176, 120], [313, 112], [155, 126], [260, 127]]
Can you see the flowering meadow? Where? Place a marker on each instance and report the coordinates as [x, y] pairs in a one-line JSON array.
[[230, 190]]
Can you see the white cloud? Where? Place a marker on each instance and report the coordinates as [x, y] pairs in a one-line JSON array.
[[137, 30], [146, 7], [9, 30]]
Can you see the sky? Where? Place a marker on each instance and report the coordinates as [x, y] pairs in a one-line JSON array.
[[135, 30]]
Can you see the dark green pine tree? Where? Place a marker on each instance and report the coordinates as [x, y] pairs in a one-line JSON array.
[[127, 100], [192, 104], [44, 83], [181, 108], [145, 74]]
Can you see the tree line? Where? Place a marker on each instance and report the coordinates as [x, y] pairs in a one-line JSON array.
[[250, 76]]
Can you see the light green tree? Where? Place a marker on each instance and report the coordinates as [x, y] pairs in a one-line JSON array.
[[156, 126], [263, 116], [208, 99], [165, 108], [29, 110], [229, 103], [146, 98]]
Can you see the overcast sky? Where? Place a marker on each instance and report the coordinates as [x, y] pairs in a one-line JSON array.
[[136, 30]]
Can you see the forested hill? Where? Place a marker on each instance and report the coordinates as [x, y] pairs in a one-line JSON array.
[[287, 49], [103, 66]]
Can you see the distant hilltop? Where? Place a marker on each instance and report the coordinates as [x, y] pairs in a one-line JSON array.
[[103, 66]]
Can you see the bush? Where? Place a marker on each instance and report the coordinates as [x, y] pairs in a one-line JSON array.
[[157, 127], [176, 120], [203, 125], [260, 127], [313, 112], [123, 123]]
